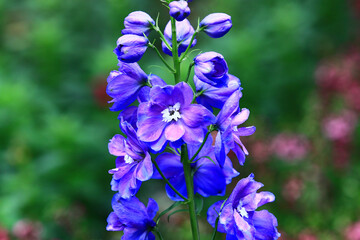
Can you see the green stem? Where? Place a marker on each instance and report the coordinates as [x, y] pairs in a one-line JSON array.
[[167, 181], [175, 51], [215, 229], [202, 145], [190, 191], [161, 57], [158, 233], [189, 72], [188, 48]]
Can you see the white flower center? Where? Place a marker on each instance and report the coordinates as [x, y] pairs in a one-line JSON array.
[[128, 159], [171, 113], [242, 211], [235, 129]]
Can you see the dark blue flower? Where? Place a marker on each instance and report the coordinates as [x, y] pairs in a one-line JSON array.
[[130, 48], [125, 84], [210, 96], [228, 136], [216, 25], [133, 164], [170, 116], [211, 68], [132, 217], [209, 178], [144, 94], [184, 32], [179, 10], [237, 215], [138, 23]]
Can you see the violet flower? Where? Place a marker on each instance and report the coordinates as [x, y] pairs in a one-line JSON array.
[[125, 84], [216, 25], [170, 116], [237, 215], [132, 217], [184, 32], [138, 23], [211, 68], [179, 10], [210, 96], [229, 134], [133, 164], [130, 48], [209, 178]]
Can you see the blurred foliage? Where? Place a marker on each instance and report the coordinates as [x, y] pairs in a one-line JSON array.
[[54, 121]]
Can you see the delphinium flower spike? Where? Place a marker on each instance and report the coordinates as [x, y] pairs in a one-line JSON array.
[[168, 133]]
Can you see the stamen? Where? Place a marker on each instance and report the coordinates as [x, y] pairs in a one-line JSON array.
[[171, 113], [242, 211], [128, 159]]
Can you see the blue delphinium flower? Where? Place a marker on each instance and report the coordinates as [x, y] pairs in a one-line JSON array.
[[124, 85], [216, 25], [132, 217], [138, 23], [179, 10], [211, 68], [228, 136], [184, 32], [238, 217], [210, 96], [130, 48], [133, 164], [209, 178], [170, 116]]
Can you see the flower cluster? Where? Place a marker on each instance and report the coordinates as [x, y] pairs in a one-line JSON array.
[[168, 134]]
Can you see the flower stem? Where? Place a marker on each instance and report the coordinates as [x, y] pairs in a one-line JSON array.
[[161, 57], [175, 51], [215, 228], [189, 71], [158, 234], [202, 145], [167, 181], [190, 191]]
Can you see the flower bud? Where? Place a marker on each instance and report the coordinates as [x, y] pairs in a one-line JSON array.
[[184, 32], [211, 68], [179, 10], [138, 23], [130, 48], [216, 25]]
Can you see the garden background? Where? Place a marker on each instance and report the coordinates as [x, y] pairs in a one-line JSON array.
[[299, 64]]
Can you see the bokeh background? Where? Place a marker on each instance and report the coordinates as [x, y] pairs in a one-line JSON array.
[[299, 63]]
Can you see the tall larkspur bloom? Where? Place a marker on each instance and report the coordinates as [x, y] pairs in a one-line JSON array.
[[170, 116], [211, 68], [138, 23], [130, 48], [238, 217], [184, 32], [132, 217], [216, 25], [125, 85], [210, 96], [179, 10], [209, 178], [229, 134], [133, 165]]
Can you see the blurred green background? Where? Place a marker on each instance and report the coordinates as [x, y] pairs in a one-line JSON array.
[[299, 64]]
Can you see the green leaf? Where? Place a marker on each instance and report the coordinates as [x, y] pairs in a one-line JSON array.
[[199, 204], [174, 205]]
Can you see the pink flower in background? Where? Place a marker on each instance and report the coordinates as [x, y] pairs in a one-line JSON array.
[[290, 147], [292, 189], [260, 151], [27, 230], [352, 232], [352, 96], [340, 127], [4, 234]]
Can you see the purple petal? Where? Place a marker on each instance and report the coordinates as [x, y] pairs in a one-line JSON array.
[[150, 129], [179, 183], [228, 109], [265, 224], [196, 115], [193, 135], [152, 208], [169, 164], [145, 169], [243, 188], [174, 131], [114, 223], [186, 92], [227, 218], [129, 115], [116, 145], [158, 145], [220, 152], [245, 131], [243, 226], [213, 214], [229, 171], [209, 179], [241, 117]]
